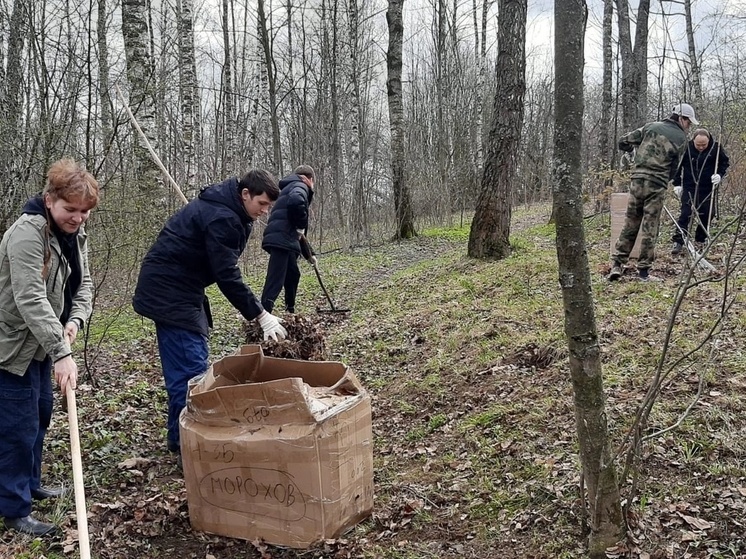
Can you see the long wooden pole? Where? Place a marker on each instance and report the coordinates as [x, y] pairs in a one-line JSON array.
[[153, 154], [80, 508], [712, 190]]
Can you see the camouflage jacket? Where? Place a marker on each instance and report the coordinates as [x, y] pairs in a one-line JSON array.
[[659, 149]]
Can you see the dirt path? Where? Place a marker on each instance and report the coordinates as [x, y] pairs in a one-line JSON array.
[[397, 256]]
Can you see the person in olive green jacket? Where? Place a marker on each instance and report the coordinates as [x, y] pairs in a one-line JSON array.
[[46, 296], [658, 149]]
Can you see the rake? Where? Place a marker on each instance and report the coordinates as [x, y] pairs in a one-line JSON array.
[[699, 260], [308, 254]]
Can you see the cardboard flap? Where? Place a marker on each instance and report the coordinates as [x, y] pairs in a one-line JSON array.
[[253, 404], [252, 389]]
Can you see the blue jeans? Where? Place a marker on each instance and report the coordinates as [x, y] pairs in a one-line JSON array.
[[183, 357], [25, 414]]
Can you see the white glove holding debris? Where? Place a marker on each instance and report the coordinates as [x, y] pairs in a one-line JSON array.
[[628, 158], [678, 190], [273, 329], [716, 179]]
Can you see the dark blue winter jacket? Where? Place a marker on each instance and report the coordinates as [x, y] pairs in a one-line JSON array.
[[289, 214], [199, 245], [698, 167]]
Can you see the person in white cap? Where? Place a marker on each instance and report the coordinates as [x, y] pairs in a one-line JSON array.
[[658, 148]]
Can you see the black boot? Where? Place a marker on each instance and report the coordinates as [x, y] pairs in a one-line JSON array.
[[29, 525], [47, 493]]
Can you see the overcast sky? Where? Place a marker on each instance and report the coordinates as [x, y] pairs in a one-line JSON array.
[[715, 26]]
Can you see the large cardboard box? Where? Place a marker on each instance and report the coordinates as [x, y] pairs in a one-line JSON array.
[[277, 449], [618, 212]]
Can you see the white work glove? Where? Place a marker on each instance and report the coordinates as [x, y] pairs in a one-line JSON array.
[[272, 327], [716, 179], [300, 232], [678, 190], [313, 261]]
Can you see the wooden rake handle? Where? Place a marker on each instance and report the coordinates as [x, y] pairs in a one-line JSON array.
[[80, 510]]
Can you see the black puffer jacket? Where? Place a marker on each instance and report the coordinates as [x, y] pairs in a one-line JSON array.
[[289, 214], [199, 245], [698, 167]]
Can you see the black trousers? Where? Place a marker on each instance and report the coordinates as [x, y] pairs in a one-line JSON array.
[[702, 205], [282, 272]]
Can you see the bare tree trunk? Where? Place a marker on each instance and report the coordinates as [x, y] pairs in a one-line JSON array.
[[188, 92], [356, 74], [693, 61], [228, 153], [11, 175], [443, 132], [604, 147], [269, 64], [490, 230], [402, 203], [634, 63], [337, 155], [599, 472], [480, 59], [141, 76], [107, 124]]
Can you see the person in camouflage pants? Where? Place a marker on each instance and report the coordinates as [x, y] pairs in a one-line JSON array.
[[658, 147]]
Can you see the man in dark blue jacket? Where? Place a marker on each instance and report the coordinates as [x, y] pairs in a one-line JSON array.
[[287, 223], [702, 169], [200, 245]]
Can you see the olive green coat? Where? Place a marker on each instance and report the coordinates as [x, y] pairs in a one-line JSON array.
[[30, 304]]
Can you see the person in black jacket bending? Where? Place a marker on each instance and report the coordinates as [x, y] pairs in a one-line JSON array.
[[703, 167], [200, 245], [287, 223]]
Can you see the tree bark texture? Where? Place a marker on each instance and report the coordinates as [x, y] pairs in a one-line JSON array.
[[107, 124], [604, 145], [141, 77], [693, 59], [490, 230], [188, 93], [634, 63], [599, 471], [228, 96], [402, 203], [11, 159], [269, 67]]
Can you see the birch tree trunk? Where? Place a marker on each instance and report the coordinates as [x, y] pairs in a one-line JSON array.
[[490, 230], [141, 77], [599, 471], [358, 214], [402, 203], [480, 59], [188, 92]]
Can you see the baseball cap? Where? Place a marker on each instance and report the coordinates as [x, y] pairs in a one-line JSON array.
[[686, 110]]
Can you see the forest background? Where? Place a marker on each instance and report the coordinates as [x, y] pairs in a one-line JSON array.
[[220, 87]]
